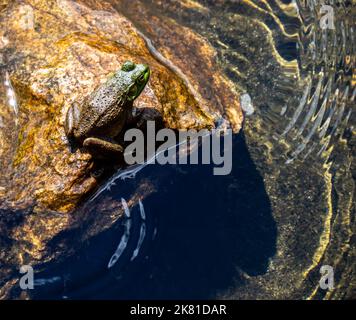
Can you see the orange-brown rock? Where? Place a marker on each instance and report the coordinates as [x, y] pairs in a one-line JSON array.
[[56, 53], [53, 53]]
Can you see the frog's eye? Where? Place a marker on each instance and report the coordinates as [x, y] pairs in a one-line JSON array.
[[128, 66]]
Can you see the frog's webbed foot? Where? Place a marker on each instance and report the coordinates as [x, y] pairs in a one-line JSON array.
[[103, 149]]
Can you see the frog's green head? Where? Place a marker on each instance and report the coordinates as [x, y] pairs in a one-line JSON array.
[[139, 75]]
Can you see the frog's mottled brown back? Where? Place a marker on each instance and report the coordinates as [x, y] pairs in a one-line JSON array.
[[104, 113]]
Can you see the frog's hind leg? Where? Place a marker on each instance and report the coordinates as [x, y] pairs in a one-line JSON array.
[[71, 121], [103, 149]]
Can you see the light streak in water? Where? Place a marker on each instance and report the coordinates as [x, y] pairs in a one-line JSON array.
[[45, 281], [127, 233]]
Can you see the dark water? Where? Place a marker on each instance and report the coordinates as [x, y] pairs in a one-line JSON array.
[[208, 227]]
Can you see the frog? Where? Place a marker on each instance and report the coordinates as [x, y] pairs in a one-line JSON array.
[[96, 123]]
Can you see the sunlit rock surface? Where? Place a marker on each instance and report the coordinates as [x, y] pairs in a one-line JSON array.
[[57, 52]]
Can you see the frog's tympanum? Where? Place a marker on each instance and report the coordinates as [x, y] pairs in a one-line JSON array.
[[104, 113]]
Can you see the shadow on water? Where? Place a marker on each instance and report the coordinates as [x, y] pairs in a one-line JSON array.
[[209, 227]]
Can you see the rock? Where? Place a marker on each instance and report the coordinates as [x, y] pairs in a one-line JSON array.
[[76, 48], [53, 53], [190, 53]]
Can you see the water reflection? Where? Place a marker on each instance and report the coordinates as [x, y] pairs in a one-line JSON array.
[[212, 231], [300, 80]]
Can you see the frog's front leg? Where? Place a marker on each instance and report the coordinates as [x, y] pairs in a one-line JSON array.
[[101, 148], [140, 116]]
